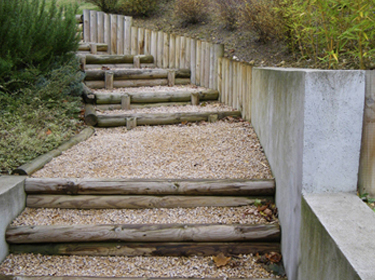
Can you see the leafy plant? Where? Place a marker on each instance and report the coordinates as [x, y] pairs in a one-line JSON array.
[[191, 11], [107, 6], [228, 12], [137, 7]]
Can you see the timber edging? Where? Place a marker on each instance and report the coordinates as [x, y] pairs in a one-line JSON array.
[[40, 161]]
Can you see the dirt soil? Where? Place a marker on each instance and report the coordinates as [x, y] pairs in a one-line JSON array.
[[239, 45]]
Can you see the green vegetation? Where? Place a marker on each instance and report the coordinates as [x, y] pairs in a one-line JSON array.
[[38, 79]]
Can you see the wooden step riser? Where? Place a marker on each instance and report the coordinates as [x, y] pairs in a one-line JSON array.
[[143, 233], [146, 249], [105, 107], [114, 59], [138, 202], [137, 83], [118, 66], [155, 97], [135, 74], [227, 187], [161, 119]]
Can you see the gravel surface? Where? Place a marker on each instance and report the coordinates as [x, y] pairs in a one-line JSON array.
[[203, 107], [198, 215], [177, 88], [220, 150], [38, 265]]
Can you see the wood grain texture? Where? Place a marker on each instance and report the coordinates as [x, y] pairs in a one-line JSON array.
[[116, 59], [137, 201], [91, 118], [147, 249], [110, 107], [143, 233], [102, 47], [150, 187], [162, 119]]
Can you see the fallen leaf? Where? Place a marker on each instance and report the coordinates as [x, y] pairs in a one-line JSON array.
[[48, 132], [274, 257], [221, 260]]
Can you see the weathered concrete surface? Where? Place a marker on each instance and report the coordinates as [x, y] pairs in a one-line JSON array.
[[12, 202], [309, 124], [337, 238]]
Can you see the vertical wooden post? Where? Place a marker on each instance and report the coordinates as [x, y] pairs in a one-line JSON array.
[[230, 85], [220, 78], [93, 48], [172, 51], [212, 67], [188, 53], [113, 34], [245, 107], [136, 62], [195, 98], [366, 182], [131, 123], [249, 81], [86, 25], [154, 44], [107, 31], [171, 78], [198, 60], [218, 53], [127, 37], [207, 65], [108, 79], [193, 48], [178, 51], [141, 41], [134, 41], [235, 85], [160, 49], [183, 53], [165, 63], [120, 34], [100, 16], [82, 63], [125, 102], [147, 41], [203, 65], [93, 27], [213, 118]]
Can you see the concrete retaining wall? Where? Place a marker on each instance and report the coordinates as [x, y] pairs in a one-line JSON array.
[[309, 123], [12, 202], [337, 238]]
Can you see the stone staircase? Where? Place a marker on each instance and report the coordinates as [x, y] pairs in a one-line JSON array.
[[228, 240]]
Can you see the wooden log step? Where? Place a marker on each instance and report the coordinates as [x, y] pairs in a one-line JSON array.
[[134, 74], [143, 233], [137, 202], [116, 59], [147, 249], [229, 187], [156, 97], [99, 46], [137, 83], [118, 66], [109, 107], [161, 119], [11, 277]]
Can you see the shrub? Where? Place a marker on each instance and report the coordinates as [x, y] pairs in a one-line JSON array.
[[191, 11], [261, 17], [228, 12], [137, 7], [107, 6], [34, 37], [36, 120], [332, 31]]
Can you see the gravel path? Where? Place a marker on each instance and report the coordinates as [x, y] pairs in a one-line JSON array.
[[198, 215], [219, 150], [38, 265], [203, 107], [177, 88]]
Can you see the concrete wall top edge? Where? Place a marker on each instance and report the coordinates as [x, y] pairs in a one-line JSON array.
[[8, 182], [307, 70], [351, 225]]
